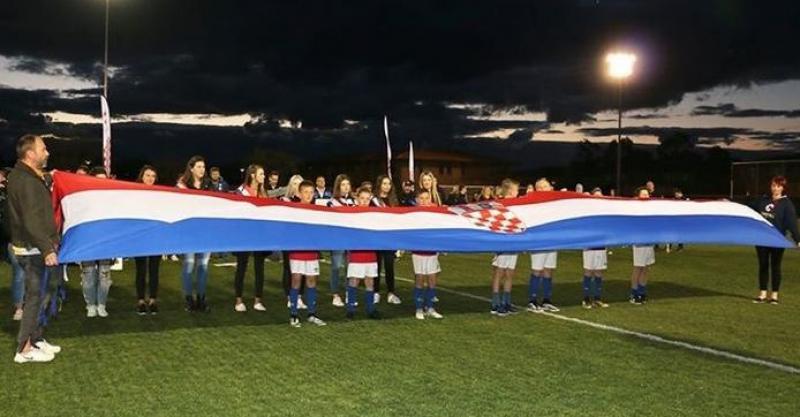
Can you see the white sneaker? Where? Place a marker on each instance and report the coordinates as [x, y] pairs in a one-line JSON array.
[[377, 298], [316, 320], [240, 308], [550, 307], [91, 311], [17, 314], [300, 304], [101, 310], [174, 258], [420, 315], [433, 314], [393, 299], [337, 301], [47, 347], [33, 355], [259, 307], [294, 322]]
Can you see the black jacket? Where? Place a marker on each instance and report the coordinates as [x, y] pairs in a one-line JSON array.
[[30, 211], [781, 213]]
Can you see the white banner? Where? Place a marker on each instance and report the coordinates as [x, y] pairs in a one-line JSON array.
[[105, 114]]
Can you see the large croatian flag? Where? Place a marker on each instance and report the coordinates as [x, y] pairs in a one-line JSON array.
[[106, 219]]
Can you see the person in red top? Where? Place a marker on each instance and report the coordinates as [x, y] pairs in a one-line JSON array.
[[304, 264], [362, 265], [426, 266]]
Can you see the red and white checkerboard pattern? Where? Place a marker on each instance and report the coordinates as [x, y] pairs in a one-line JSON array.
[[491, 216]]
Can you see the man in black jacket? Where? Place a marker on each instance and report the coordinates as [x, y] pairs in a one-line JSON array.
[[34, 240]]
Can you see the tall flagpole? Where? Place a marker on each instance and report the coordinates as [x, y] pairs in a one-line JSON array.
[[105, 113], [105, 56], [388, 147]]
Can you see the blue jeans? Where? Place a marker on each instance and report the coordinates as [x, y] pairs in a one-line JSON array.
[[189, 262], [17, 279], [95, 281], [337, 262]]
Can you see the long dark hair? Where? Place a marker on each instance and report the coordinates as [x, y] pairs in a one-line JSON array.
[[187, 178], [337, 193], [391, 199], [144, 169], [250, 176]]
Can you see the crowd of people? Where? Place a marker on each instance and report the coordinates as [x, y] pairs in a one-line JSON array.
[[34, 241]]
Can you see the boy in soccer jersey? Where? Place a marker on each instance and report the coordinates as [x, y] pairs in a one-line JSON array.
[[542, 266], [595, 262], [426, 266], [362, 265], [643, 257], [504, 264], [304, 264]]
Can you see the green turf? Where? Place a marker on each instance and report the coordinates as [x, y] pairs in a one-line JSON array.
[[469, 364]]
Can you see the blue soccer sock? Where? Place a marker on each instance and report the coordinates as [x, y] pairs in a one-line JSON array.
[[370, 299], [495, 300], [430, 295], [635, 291], [293, 292], [311, 296], [642, 289], [418, 299], [506, 298], [598, 287], [352, 296], [547, 288], [533, 287], [587, 286]]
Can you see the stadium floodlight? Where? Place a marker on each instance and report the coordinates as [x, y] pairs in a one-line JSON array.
[[620, 64], [620, 67]]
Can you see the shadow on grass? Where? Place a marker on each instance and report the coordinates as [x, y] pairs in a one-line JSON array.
[[73, 323]]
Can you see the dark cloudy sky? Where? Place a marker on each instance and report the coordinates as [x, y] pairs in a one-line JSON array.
[[727, 71]]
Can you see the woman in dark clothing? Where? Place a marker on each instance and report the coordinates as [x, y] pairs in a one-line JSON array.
[[253, 186], [385, 197], [778, 209], [147, 265]]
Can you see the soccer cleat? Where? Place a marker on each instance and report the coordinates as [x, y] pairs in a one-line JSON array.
[[33, 355], [643, 299], [259, 307], [587, 303], [377, 298], [313, 319], [420, 315], [300, 304], [598, 303], [101, 310], [91, 311], [501, 311], [493, 311], [337, 301], [534, 307], [510, 309], [141, 309], [240, 308], [548, 306], [294, 321], [432, 313], [392, 298], [153, 307], [17, 315], [47, 347]]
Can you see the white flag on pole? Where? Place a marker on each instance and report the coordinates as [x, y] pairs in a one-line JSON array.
[[410, 160], [388, 147], [106, 118]]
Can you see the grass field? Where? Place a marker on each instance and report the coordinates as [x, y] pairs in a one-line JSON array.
[[469, 364]]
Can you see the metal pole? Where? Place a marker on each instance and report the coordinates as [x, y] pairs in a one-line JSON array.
[[619, 139], [105, 57]]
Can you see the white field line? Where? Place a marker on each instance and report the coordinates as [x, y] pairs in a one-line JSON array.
[[646, 336]]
